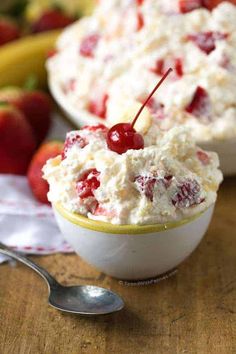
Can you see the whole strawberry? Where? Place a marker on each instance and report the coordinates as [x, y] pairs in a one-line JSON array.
[[9, 30], [50, 20], [17, 141], [37, 184], [36, 106]]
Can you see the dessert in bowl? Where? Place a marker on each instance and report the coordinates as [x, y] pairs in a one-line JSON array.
[[95, 73], [133, 205]]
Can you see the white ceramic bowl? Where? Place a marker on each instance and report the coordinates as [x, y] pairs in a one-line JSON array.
[[129, 251], [227, 154], [225, 149]]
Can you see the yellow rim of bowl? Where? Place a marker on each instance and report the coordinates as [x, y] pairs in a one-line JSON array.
[[101, 226]]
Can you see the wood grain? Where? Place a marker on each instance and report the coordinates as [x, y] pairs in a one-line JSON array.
[[192, 312]]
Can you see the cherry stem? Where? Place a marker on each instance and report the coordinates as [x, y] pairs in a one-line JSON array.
[[151, 94]]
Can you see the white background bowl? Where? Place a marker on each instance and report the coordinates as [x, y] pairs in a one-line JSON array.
[[225, 149], [133, 256]]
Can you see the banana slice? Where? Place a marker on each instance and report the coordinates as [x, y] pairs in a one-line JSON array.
[[124, 112]]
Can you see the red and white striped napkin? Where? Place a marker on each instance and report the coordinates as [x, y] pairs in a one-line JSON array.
[[26, 225]]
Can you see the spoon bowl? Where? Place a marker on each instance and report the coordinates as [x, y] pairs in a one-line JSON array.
[[85, 300]]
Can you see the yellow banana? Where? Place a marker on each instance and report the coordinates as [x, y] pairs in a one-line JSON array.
[[25, 57]]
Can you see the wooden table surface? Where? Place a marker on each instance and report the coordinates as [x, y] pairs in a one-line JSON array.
[[191, 312]]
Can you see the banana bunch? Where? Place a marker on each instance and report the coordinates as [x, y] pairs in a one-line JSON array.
[[26, 57], [76, 8]]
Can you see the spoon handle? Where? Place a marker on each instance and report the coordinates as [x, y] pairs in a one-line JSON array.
[[17, 256]]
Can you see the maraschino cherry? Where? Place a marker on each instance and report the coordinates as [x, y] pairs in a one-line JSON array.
[[122, 136]]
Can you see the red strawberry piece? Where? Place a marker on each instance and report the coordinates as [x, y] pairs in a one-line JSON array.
[[188, 194], [211, 4], [9, 31], [100, 210], [95, 128], [88, 183], [225, 62], [89, 44], [189, 5], [37, 184], [51, 53], [140, 21], [17, 141], [35, 105], [159, 67], [98, 106], [146, 185], [51, 19], [162, 65], [69, 86], [200, 106], [72, 139], [203, 157], [156, 109], [139, 2], [206, 41], [167, 180], [178, 67]]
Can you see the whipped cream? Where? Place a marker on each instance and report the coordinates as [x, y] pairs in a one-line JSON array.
[[107, 64], [170, 179]]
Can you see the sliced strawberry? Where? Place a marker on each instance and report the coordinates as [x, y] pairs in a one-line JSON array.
[[88, 183], [167, 180], [159, 67], [89, 44], [139, 2], [72, 139], [203, 157], [225, 62], [156, 109], [179, 67], [100, 210], [69, 86], [206, 41], [200, 105], [51, 53], [146, 185], [94, 128], [140, 21], [211, 4], [188, 194], [162, 65], [98, 106], [189, 5]]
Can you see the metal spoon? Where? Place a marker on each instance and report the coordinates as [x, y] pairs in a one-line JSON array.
[[83, 299]]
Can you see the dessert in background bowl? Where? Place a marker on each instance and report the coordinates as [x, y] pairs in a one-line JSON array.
[[95, 73], [138, 212]]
